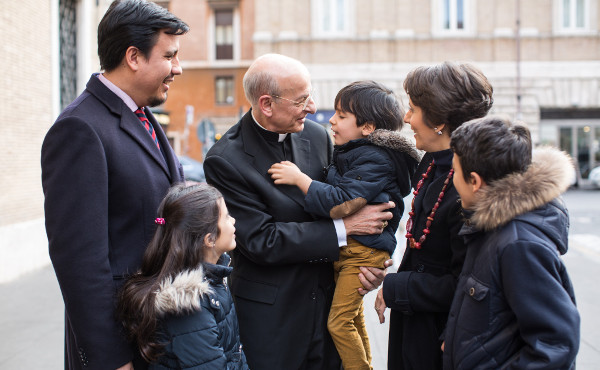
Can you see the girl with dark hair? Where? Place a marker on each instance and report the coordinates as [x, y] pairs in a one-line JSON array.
[[177, 308], [441, 98]]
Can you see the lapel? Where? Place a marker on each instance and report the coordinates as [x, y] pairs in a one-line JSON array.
[[301, 151], [167, 154], [262, 159], [130, 123]]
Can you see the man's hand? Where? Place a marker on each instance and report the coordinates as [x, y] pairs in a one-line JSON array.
[[368, 220], [372, 277], [380, 306], [287, 173]]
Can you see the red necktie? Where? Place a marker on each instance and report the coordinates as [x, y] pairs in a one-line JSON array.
[[147, 125]]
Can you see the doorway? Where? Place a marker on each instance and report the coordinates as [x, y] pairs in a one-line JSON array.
[[577, 132]]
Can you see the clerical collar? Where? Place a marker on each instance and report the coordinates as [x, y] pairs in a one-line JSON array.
[[269, 135]]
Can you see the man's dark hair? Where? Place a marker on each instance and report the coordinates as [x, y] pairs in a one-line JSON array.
[[493, 147], [133, 23], [449, 93], [371, 102]]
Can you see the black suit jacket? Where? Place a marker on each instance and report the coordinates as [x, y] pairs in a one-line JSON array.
[[103, 179], [282, 260]]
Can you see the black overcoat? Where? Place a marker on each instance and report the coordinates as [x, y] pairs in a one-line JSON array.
[[282, 280], [421, 292], [103, 179]]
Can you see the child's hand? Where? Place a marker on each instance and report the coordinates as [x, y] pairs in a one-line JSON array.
[[288, 173], [285, 173]]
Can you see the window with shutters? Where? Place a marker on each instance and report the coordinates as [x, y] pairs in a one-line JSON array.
[[224, 34]]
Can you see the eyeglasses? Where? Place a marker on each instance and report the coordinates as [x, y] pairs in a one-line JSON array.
[[302, 104]]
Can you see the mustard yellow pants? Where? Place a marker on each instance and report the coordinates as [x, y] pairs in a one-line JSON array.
[[346, 322]]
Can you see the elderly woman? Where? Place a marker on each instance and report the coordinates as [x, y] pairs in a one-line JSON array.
[[442, 97]]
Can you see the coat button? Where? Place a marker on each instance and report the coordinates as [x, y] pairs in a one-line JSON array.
[[472, 291], [313, 296], [420, 267]]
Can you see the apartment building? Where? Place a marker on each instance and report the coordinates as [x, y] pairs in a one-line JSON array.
[[208, 98], [542, 56]]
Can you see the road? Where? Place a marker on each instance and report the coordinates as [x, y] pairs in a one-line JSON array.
[[31, 312]]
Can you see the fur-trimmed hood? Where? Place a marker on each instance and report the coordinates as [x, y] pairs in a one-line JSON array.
[[396, 141], [183, 293], [549, 175]]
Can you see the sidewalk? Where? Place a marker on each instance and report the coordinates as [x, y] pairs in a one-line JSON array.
[[32, 319], [31, 322]]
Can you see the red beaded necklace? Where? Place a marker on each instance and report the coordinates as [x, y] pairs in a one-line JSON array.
[[409, 224]]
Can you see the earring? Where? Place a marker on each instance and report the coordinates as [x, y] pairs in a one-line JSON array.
[[439, 132]]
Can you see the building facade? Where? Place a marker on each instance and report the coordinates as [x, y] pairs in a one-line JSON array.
[[542, 56], [48, 53], [208, 97]]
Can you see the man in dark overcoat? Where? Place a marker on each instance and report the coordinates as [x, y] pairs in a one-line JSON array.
[[105, 168], [282, 281]]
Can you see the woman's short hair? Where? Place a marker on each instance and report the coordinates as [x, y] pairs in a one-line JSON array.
[[449, 93]]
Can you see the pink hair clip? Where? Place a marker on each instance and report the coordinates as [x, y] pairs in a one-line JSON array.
[[159, 221]]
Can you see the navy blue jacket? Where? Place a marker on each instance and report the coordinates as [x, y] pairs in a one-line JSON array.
[[199, 322], [373, 170], [514, 306], [103, 180]]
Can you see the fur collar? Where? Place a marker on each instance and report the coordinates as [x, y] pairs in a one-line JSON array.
[[548, 176], [394, 140], [181, 293]]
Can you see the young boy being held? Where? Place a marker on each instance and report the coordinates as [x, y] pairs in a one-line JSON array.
[[372, 163], [514, 306]]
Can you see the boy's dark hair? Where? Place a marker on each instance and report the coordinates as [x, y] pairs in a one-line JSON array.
[[133, 23], [493, 147], [449, 93], [371, 102]]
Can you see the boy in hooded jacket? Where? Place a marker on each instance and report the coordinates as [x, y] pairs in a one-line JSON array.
[[372, 163], [514, 306]]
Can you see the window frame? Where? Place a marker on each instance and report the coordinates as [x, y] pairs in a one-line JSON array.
[[439, 16], [571, 29], [231, 86], [227, 33], [318, 13], [212, 34]]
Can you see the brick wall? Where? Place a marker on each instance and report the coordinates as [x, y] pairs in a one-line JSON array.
[[26, 103], [26, 106]]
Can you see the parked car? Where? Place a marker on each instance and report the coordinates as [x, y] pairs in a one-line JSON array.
[[595, 177], [192, 169]]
